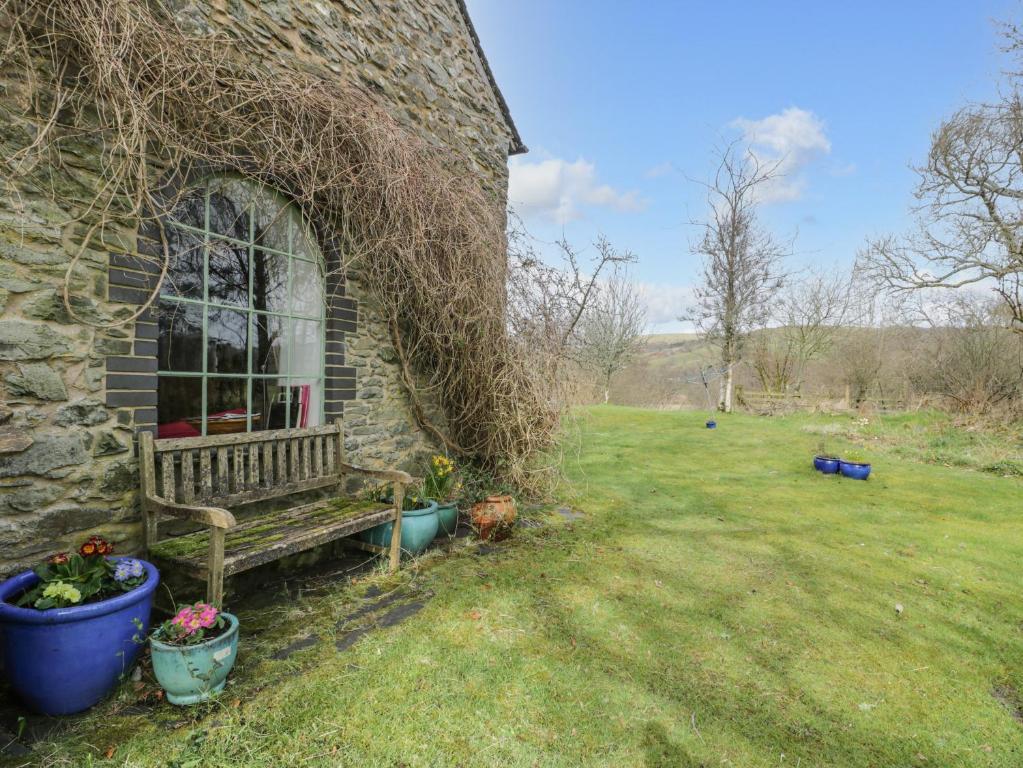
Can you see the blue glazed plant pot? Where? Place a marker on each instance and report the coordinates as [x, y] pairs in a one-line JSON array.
[[712, 424], [64, 660], [192, 673], [854, 470], [418, 528], [826, 464], [447, 518]]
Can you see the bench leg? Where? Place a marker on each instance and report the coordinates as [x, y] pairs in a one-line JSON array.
[[150, 521], [215, 568], [399, 503]]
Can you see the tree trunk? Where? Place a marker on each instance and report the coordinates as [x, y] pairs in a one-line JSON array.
[[728, 390]]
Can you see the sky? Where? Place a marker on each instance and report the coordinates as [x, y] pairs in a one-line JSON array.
[[623, 103]]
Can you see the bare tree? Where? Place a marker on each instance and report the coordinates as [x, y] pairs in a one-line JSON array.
[[969, 221], [807, 314], [741, 261], [976, 364], [547, 299], [611, 330]]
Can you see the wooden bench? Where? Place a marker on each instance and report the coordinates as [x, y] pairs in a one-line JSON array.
[[204, 479]]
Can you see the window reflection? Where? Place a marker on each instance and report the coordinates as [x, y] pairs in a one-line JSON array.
[[268, 344], [269, 281], [229, 273], [305, 348], [228, 341], [180, 345], [235, 279], [306, 290]]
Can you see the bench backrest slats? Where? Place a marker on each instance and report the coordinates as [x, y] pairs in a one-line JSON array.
[[187, 477], [228, 470]]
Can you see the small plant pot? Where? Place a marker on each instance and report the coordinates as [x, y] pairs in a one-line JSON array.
[[712, 424], [64, 660], [418, 528], [192, 673], [854, 470], [447, 518], [494, 517], [826, 464]]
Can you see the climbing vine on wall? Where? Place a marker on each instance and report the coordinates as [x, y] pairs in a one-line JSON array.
[[410, 219]]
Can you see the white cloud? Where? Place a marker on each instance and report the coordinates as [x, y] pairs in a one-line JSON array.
[[558, 190], [665, 302], [791, 140], [661, 169]]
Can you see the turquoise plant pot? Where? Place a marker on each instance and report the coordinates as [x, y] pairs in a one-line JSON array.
[[447, 518], [192, 673], [418, 528]]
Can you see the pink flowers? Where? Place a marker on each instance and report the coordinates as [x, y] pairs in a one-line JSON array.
[[192, 625], [191, 618]]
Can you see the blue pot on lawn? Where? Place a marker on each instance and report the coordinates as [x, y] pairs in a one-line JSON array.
[[64, 660], [447, 518], [192, 673], [712, 424], [854, 470], [418, 528], [826, 464]]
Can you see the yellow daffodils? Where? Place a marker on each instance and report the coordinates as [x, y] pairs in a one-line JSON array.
[[442, 466]]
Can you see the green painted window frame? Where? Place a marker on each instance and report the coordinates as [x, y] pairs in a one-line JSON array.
[[251, 312]]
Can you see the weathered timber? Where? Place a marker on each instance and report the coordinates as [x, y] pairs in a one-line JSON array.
[[254, 467]]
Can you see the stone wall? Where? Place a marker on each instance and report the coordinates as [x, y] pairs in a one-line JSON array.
[[379, 427], [67, 465]]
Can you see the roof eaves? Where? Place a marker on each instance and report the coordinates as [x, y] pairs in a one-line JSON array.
[[517, 147]]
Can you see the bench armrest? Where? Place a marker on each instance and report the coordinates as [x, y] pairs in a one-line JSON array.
[[211, 516], [384, 474]]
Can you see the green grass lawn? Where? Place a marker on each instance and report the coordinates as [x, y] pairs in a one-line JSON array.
[[719, 605]]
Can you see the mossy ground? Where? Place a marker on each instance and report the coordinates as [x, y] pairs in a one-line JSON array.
[[720, 604]]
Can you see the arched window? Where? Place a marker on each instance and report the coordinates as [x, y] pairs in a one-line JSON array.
[[241, 314]]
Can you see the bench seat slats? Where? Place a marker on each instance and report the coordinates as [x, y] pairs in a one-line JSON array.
[[206, 478], [267, 537]]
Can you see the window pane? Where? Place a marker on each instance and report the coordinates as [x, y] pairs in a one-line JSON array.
[[180, 345], [227, 341], [307, 400], [225, 406], [190, 209], [272, 215], [269, 401], [269, 281], [179, 408], [229, 209], [305, 350], [184, 273], [306, 288], [303, 240], [229, 273], [268, 351]]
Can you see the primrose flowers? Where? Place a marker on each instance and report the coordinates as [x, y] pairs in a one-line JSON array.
[[191, 625], [61, 594], [128, 569], [85, 576]]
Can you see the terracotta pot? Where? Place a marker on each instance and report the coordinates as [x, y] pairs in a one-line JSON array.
[[493, 517]]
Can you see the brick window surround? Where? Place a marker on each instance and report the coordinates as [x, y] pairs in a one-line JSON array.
[[131, 380]]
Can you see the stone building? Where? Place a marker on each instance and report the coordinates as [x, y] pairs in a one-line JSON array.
[[72, 397]]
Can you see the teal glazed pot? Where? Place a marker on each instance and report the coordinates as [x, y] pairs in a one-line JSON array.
[[447, 517], [418, 528], [192, 673]]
